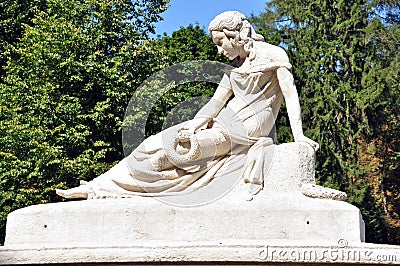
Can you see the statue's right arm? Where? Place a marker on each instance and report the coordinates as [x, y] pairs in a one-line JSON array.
[[219, 99], [213, 107]]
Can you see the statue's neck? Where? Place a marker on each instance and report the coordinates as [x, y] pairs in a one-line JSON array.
[[239, 61], [242, 63]]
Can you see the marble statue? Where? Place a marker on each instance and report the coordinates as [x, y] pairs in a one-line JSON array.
[[188, 156]]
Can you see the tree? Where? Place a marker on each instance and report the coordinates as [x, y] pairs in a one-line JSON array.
[[14, 14], [382, 153], [340, 67], [67, 83]]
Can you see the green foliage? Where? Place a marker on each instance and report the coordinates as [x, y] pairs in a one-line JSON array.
[[385, 124], [188, 43], [14, 14], [68, 81], [265, 24]]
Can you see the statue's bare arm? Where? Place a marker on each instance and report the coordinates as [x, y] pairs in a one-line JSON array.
[[213, 107], [288, 88]]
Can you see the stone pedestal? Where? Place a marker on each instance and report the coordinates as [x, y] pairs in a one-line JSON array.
[[280, 224], [136, 220]]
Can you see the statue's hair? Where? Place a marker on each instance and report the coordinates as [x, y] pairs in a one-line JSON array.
[[236, 22]]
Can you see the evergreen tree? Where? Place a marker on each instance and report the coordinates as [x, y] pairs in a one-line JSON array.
[[382, 152]]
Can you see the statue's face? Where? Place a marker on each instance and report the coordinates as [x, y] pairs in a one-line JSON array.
[[224, 45]]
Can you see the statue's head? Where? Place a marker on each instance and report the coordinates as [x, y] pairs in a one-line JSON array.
[[234, 26]]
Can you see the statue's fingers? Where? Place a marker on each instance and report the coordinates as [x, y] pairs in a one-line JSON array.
[[60, 192], [316, 146]]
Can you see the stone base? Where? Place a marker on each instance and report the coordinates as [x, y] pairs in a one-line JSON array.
[[214, 253], [148, 230], [281, 216]]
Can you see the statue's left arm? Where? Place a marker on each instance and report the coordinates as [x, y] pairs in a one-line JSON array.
[[288, 88]]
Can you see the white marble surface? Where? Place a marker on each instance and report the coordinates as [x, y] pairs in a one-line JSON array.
[[127, 221], [242, 252]]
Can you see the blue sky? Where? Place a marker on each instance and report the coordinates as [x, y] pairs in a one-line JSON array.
[[181, 13]]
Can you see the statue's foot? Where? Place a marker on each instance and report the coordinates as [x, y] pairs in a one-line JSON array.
[[80, 192], [315, 191]]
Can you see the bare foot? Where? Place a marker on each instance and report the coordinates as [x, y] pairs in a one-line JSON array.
[[80, 192]]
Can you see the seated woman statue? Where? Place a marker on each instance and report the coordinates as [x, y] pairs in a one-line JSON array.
[[188, 156]]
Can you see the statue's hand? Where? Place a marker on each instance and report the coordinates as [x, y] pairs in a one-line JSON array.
[[309, 141], [191, 126]]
